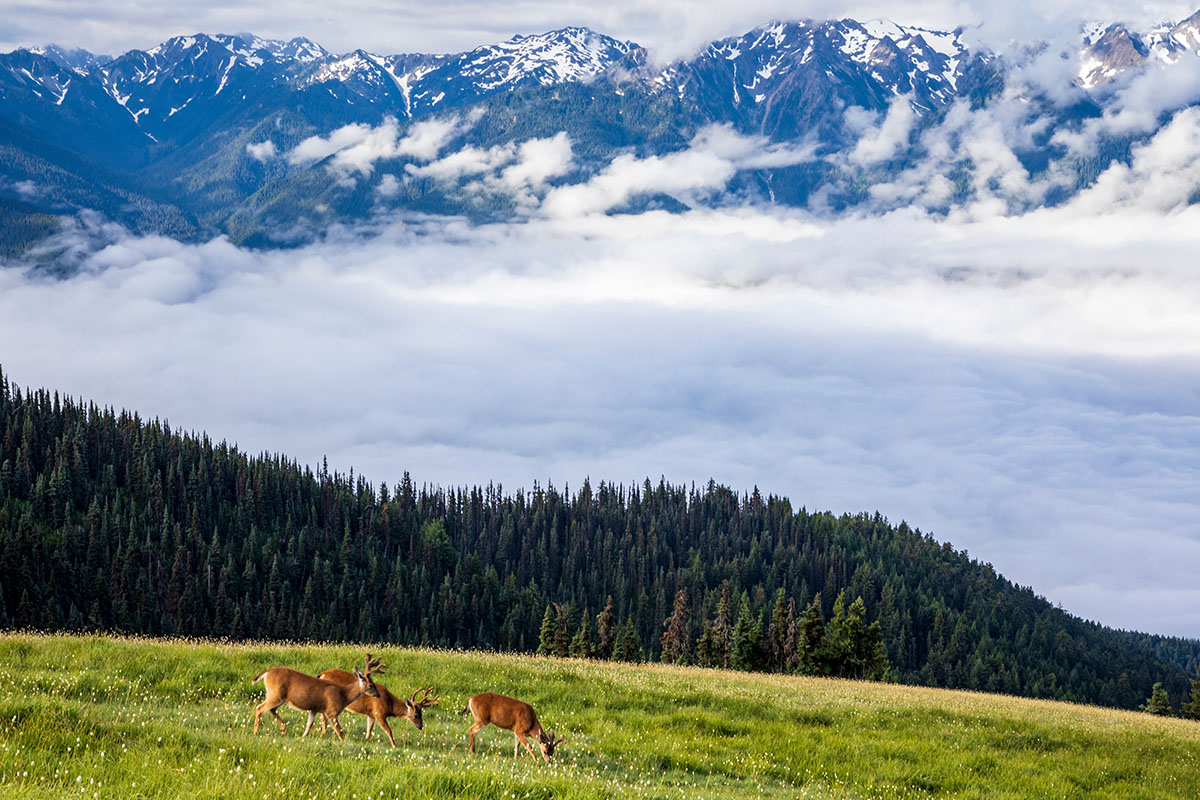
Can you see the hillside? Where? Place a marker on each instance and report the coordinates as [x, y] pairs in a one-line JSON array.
[[109, 522], [105, 717]]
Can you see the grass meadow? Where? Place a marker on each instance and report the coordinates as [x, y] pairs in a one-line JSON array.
[[108, 717]]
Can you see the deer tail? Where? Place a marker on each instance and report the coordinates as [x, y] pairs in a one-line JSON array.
[[258, 677]]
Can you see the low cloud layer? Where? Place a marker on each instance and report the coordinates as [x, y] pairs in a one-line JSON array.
[[1022, 386]]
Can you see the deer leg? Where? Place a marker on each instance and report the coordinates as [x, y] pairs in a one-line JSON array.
[[522, 740], [337, 728], [476, 728], [263, 708], [387, 729], [370, 724], [312, 717]]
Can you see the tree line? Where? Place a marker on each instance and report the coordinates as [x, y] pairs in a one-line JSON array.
[[112, 522]]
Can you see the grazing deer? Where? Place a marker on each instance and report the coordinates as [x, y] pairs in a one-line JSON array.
[[378, 709], [513, 715], [306, 693]]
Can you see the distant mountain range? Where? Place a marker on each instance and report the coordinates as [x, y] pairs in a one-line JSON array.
[[199, 135]]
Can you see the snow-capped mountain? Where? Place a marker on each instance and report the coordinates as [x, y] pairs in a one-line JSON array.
[[1114, 50], [190, 133], [783, 75]]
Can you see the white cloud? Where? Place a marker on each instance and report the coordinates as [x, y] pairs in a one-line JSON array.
[[881, 143], [262, 151], [354, 149], [711, 159]]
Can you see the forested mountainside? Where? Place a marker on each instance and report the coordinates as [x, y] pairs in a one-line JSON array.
[[271, 142], [112, 522]]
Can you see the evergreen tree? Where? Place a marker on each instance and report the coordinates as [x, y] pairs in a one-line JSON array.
[[722, 628], [745, 649], [546, 636], [606, 631], [581, 643], [791, 642], [675, 640], [811, 639], [626, 647], [777, 632], [1191, 708], [1158, 702], [705, 647], [562, 631]]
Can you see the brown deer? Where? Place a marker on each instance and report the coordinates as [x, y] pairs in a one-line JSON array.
[[378, 709], [514, 715], [306, 693]]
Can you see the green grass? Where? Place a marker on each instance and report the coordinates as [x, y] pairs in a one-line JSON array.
[[134, 718]]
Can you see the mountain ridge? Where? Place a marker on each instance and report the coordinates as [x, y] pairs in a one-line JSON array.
[[189, 120]]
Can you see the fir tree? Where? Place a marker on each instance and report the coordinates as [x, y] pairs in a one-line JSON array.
[[546, 637], [562, 631], [675, 640], [581, 643], [1191, 708], [1158, 702], [777, 633], [745, 648], [606, 631], [811, 638], [626, 647]]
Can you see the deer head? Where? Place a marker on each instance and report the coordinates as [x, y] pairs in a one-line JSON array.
[[547, 742], [414, 706], [364, 678]]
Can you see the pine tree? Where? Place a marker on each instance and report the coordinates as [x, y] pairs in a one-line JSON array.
[[676, 642], [546, 636], [606, 631], [745, 648], [791, 642], [722, 628], [626, 647], [811, 636], [777, 634], [1191, 708], [706, 648], [581, 643], [562, 631], [1158, 702]]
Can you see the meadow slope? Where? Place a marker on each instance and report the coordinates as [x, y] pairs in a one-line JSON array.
[[134, 718]]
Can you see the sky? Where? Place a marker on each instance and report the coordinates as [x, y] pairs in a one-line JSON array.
[[1023, 383], [671, 28]]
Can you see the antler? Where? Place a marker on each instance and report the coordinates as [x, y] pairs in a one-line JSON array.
[[373, 665], [425, 701]]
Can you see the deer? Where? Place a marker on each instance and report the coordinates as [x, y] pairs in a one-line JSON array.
[[514, 715], [306, 693], [378, 709]]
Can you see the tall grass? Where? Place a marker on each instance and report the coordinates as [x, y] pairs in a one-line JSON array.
[[111, 717]]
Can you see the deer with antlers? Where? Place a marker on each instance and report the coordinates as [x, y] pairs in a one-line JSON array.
[[514, 715], [306, 693], [378, 709]]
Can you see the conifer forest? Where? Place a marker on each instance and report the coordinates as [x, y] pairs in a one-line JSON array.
[[113, 522]]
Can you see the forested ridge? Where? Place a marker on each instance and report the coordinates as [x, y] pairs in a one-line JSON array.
[[112, 522]]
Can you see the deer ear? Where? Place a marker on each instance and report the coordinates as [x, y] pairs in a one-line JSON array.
[[358, 673]]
